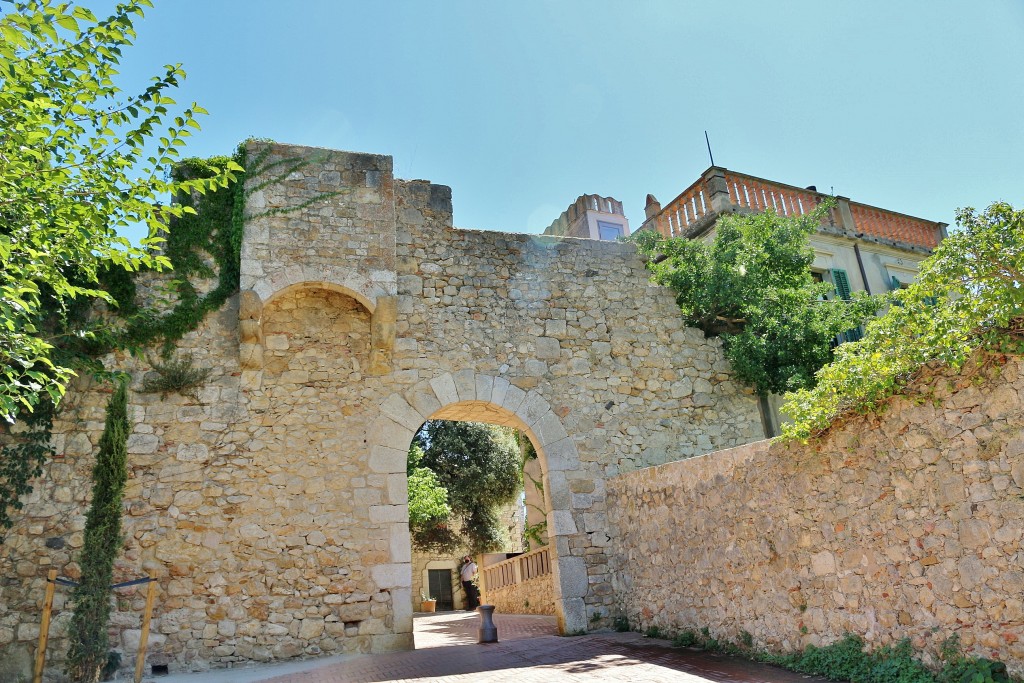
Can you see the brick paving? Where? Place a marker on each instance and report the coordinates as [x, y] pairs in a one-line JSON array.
[[447, 651]]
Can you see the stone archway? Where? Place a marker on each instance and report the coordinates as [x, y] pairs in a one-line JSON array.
[[468, 395]]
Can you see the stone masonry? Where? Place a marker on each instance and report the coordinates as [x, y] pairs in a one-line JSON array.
[[273, 508], [903, 524]]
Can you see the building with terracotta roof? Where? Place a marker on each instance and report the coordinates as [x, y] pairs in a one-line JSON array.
[[857, 248]]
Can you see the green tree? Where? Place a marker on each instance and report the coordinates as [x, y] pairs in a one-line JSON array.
[[969, 294], [91, 598], [79, 159], [429, 512], [752, 285], [479, 467]]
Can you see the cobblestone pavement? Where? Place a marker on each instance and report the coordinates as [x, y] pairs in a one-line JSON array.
[[447, 651]]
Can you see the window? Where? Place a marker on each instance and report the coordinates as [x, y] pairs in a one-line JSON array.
[[608, 231], [842, 284]]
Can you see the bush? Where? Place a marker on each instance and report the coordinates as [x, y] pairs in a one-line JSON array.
[[176, 376], [846, 660], [687, 638], [967, 296]]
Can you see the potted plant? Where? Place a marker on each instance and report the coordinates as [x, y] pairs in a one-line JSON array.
[[427, 603]]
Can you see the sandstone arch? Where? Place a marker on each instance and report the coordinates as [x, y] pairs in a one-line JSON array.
[[382, 309], [365, 288], [472, 396]]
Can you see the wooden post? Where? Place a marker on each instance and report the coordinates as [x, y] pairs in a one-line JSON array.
[[140, 659], [44, 627]]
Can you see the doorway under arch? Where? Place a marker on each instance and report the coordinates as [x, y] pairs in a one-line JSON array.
[[470, 396]]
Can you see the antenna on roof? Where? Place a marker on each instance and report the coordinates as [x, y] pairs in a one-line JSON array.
[[707, 140]]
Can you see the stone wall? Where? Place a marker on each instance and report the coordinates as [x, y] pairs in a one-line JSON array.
[[534, 596], [903, 524], [273, 507]]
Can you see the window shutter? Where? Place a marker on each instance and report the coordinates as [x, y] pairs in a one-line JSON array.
[[841, 283], [895, 284]]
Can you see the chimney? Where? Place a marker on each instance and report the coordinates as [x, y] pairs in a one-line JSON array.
[[652, 207]]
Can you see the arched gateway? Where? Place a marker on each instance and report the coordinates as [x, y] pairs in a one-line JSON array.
[[273, 505], [562, 338], [468, 396]]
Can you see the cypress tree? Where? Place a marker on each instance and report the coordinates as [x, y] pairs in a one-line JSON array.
[[89, 641]]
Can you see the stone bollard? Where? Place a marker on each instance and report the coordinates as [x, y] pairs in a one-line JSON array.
[[488, 631]]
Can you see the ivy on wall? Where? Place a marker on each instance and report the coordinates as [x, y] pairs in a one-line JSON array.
[[212, 232]]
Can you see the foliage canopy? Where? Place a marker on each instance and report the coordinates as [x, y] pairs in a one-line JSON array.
[[79, 159], [477, 468], [969, 294], [752, 285]]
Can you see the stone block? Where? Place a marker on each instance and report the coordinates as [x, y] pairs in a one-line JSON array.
[[445, 390], [311, 627], [382, 514], [391, 642], [399, 410], [385, 460], [571, 574], [549, 429], [484, 386], [561, 523], [387, 432], [499, 390], [142, 444], [514, 397], [561, 455], [424, 401], [401, 610], [533, 408], [465, 384], [396, 575], [276, 342], [397, 489], [555, 329], [547, 348], [572, 615], [557, 495], [400, 543]]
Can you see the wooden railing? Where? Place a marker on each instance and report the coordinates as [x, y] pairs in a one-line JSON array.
[[531, 565]]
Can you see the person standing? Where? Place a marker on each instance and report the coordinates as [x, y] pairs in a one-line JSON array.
[[468, 573]]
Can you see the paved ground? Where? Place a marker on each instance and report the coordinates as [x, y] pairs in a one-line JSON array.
[[528, 652]]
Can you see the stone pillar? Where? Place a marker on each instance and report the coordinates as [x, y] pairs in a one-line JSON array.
[[718, 190], [250, 330], [845, 216], [382, 334]]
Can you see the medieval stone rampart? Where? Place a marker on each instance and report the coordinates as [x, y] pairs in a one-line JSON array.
[[902, 524], [273, 507]]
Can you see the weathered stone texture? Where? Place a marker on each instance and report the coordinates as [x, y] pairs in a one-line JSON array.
[[902, 524], [274, 507], [533, 596]]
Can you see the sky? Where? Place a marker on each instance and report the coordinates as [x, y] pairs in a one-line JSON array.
[[522, 106]]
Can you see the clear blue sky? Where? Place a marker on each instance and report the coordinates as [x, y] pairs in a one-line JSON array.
[[522, 106]]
